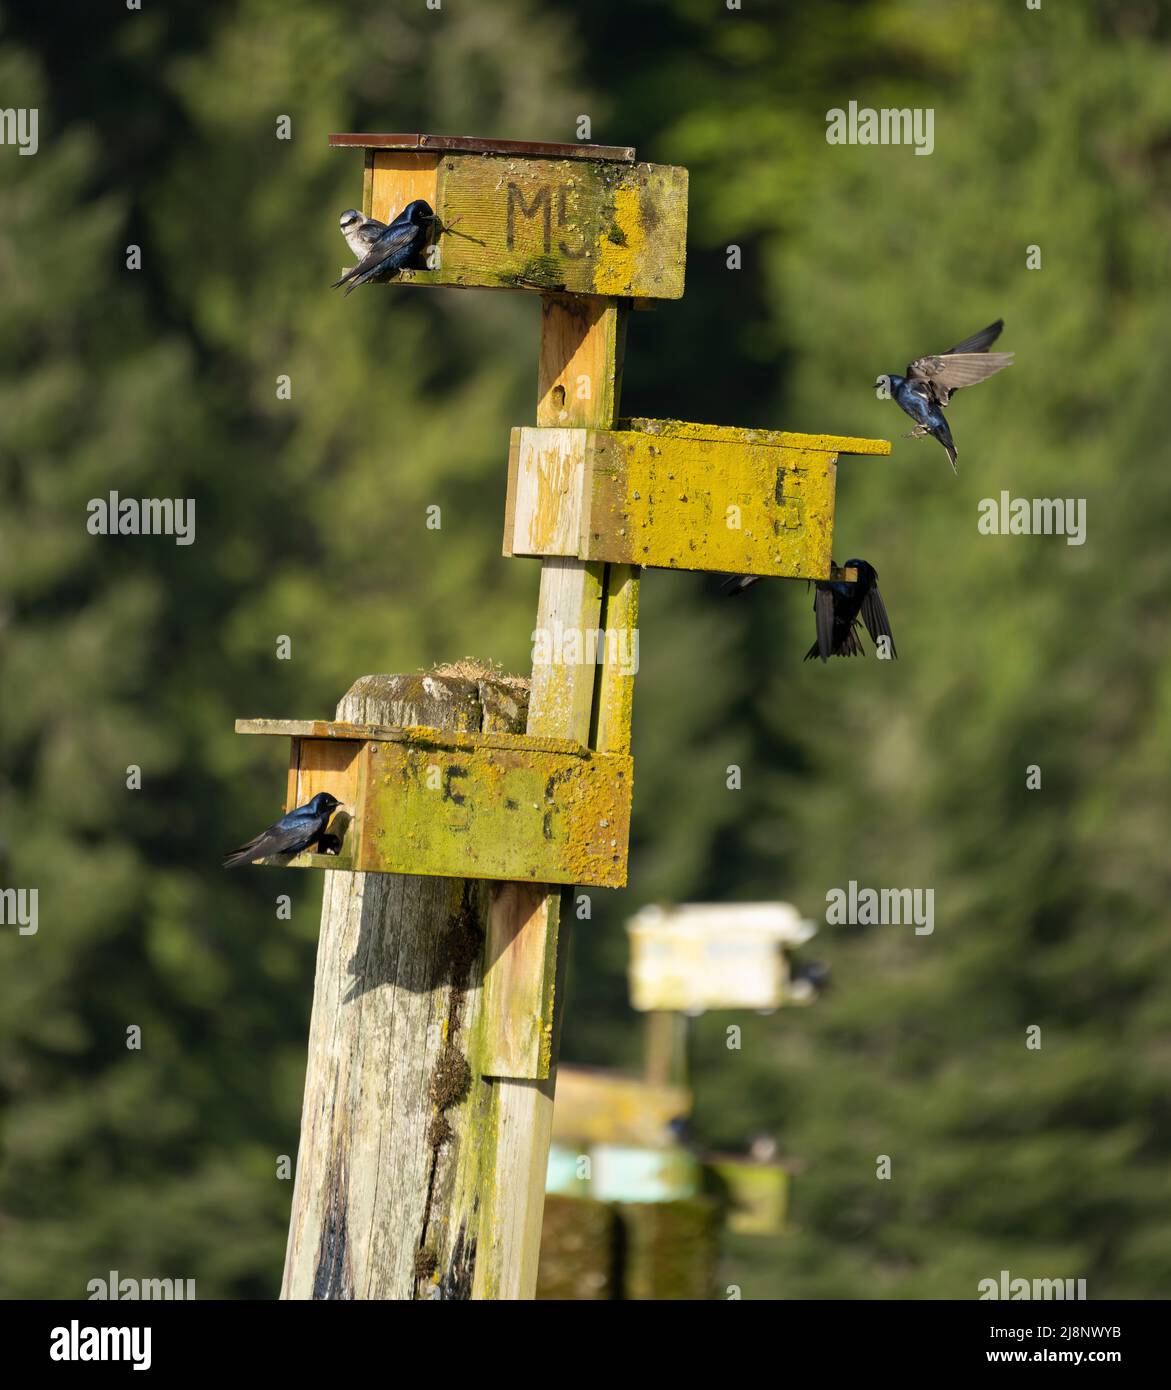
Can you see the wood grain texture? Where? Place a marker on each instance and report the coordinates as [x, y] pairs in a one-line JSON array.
[[675, 496], [398, 179], [398, 1126], [518, 1039], [739, 434], [575, 335], [579, 369], [348, 731], [427, 801], [550, 492], [545, 817], [614, 704], [542, 224], [474, 144]]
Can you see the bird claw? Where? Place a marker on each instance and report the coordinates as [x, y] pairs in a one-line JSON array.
[[917, 433]]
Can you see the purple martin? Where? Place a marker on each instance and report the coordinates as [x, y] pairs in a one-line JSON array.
[[291, 834], [809, 979], [360, 232], [837, 606], [393, 249], [930, 383], [836, 609]]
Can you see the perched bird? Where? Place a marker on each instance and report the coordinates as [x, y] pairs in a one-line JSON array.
[[837, 606], [930, 383], [360, 232], [394, 248], [291, 834], [808, 980]]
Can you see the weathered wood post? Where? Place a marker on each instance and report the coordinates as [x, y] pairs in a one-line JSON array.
[[395, 1135], [579, 382], [438, 1000]]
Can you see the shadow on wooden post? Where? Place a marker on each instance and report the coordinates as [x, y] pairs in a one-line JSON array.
[[398, 1129]]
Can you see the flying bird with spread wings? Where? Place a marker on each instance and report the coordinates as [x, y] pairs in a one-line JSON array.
[[931, 382], [837, 606]]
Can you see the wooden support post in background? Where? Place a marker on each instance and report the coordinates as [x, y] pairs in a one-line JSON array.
[[666, 1061], [398, 1130], [579, 381]]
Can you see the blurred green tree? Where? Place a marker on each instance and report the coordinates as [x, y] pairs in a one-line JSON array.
[[159, 130]]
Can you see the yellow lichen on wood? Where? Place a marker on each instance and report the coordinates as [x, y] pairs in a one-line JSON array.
[[589, 227], [701, 504], [449, 804], [737, 434], [344, 732], [621, 245], [678, 496]]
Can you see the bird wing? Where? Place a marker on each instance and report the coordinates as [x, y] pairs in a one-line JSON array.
[[965, 364], [737, 583], [285, 837], [876, 620], [371, 230], [947, 373], [393, 240], [823, 614], [979, 342], [953, 370]]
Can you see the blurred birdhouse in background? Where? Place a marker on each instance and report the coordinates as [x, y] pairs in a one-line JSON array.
[[715, 956]]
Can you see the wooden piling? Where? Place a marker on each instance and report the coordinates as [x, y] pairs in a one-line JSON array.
[[398, 1128]]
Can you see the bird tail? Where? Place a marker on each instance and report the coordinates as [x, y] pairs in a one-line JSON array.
[[943, 434], [737, 583], [850, 645], [244, 855]]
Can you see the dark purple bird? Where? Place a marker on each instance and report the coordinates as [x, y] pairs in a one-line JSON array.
[[837, 606], [395, 248], [931, 382], [291, 834]]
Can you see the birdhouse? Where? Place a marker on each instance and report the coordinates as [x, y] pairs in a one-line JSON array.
[[678, 496], [460, 805], [582, 219], [623, 1123], [713, 956], [596, 1106]]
